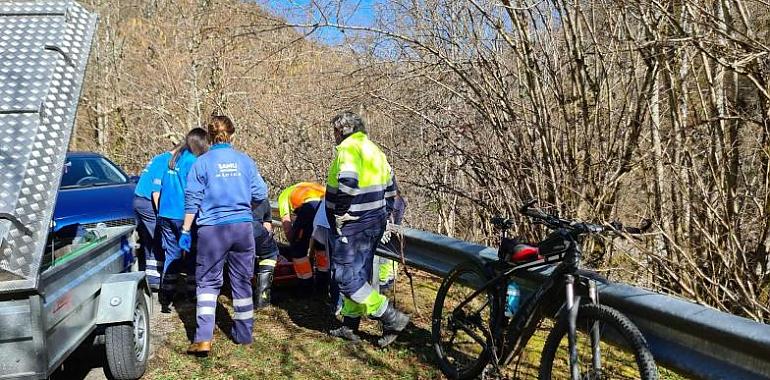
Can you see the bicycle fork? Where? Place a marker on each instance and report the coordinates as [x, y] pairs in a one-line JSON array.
[[572, 310], [573, 304], [596, 362]]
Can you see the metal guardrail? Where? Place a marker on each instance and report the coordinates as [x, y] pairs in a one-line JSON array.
[[683, 335], [694, 339]]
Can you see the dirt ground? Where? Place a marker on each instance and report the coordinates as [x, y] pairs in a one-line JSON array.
[[88, 362]]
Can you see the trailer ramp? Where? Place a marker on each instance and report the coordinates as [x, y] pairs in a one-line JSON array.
[[44, 48]]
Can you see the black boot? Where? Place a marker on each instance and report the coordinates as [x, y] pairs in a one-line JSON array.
[[165, 301], [393, 322], [348, 330], [168, 287], [264, 284]]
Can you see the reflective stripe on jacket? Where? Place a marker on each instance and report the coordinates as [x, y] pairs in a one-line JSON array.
[[296, 195], [359, 181]]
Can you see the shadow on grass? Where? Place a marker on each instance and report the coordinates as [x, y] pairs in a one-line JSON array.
[[314, 313], [311, 312], [186, 311]]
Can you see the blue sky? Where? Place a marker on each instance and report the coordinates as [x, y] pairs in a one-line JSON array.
[[355, 12]]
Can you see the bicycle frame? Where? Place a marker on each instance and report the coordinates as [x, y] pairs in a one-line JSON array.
[[560, 295], [548, 299]]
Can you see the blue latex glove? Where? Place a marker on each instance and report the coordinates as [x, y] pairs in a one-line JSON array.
[[185, 241]]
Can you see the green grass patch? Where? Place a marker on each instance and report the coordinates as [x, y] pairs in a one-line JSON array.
[[290, 342]]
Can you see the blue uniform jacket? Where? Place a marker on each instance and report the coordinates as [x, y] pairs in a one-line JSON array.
[[151, 177], [173, 187], [222, 185]]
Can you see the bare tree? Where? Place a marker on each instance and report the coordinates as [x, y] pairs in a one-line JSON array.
[[603, 109]]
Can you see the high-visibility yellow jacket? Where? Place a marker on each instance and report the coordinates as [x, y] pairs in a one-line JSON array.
[[298, 194], [360, 183]]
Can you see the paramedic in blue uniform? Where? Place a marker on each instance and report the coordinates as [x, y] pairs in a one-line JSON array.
[[145, 207], [222, 187], [171, 210]]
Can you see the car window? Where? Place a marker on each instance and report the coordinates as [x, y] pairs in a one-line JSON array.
[[90, 171]]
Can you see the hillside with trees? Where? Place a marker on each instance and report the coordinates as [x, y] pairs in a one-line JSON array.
[[603, 109]]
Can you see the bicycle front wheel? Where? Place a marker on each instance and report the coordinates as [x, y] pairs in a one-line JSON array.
[[462, 326], [609, 346]]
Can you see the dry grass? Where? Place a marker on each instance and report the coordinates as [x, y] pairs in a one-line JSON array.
[[290, 342]]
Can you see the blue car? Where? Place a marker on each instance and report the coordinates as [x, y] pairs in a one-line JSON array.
[[93, 190]]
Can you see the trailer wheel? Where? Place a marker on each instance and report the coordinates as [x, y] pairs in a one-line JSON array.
[[128, 344]]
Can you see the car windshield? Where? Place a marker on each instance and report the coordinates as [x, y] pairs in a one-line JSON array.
[[90, 171]]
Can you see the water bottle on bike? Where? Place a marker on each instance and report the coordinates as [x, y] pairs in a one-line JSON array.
[[512, 299], [587, 339]]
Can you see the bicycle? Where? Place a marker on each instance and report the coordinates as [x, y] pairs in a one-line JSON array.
[[470, 332]]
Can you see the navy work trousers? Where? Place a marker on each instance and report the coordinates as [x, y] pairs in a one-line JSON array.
[[171, 230], [352, 260], [233, 243], [266, 247], [302, 227], [151, 257]]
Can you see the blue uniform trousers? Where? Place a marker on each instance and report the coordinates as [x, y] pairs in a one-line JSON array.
[[151, 256], [171, 230], [233, 243]]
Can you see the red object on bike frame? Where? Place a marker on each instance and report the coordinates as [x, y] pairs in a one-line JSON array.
[[524, 253]]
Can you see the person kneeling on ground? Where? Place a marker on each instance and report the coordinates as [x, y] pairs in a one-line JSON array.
[[297, 205], [391, 242]]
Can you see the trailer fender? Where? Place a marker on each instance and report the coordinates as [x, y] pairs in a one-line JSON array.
[[118, 297]]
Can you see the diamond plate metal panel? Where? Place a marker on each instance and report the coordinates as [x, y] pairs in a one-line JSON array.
[[26, 8], [44, 48]]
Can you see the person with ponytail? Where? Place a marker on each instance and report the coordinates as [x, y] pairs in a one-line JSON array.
[[171, 211], [222, 188]]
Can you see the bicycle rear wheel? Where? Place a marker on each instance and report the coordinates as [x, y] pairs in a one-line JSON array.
[[622, 350], [462, 334]]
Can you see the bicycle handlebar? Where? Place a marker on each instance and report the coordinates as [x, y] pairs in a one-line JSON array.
[[579, 227]]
